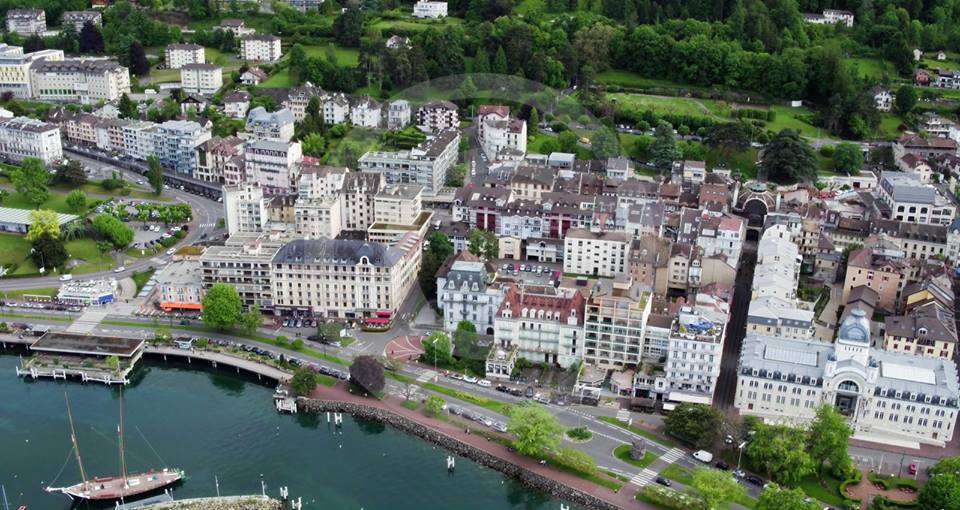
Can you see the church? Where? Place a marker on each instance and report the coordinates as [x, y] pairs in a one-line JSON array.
[[890, 398]]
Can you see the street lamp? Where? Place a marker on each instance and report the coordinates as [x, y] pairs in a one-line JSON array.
[[740, 454]]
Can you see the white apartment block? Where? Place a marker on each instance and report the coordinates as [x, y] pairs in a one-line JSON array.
[[887, 397], [425, 164], [203, 79], [398, 114], [466, 292], [366, 113], [545, 324], [359, 190], [616, 318], [236, 105], [428, 9], [175, 143], [15, 68], [501, 137], [775, 316], [437, 116], [695, 349], [79, 80], [398, 204], [244, 263], [26, 22], [244, 208], [273, 164], [260, 48], [80, 18], [138, 139], [908, 199], [321, 181], [344, 278], [318, 218], [276, 126], [298, 98], [179, 55], [23, 137], [596, 253], [336, 109]]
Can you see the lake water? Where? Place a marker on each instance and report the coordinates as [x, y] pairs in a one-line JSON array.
[[217, 426]]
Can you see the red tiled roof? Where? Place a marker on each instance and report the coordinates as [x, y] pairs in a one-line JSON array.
[[516, 301]]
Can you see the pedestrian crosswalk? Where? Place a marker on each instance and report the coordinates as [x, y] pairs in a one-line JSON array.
[[644, 477], [672, 455], [426, 376], [207, 225]]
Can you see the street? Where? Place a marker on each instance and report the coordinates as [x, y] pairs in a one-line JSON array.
[[736, 328]]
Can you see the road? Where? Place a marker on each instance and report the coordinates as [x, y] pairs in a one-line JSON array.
[[736, 328], [205, 215]]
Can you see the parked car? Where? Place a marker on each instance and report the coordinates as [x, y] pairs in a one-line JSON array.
[[722, 465], [912, 469], [703, 456], [755, 480], [66, 277], [484, 383], [663, 481]]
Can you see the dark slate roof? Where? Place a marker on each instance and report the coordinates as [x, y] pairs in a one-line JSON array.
[[337, 251]]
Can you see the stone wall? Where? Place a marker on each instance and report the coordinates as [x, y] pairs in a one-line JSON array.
[[523, 475]]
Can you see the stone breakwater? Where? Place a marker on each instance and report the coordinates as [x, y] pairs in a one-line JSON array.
[[519, 473], [224, 503]]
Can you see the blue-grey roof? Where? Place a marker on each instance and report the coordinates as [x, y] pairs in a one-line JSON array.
[[337, 252], [907, 188]]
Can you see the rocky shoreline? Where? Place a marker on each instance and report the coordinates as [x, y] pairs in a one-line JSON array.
[[519, 473]]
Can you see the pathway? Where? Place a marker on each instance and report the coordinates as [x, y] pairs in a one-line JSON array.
[[865, 491], [87, 322], [405, 348]]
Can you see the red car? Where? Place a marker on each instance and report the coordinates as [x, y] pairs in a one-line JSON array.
[[912, 469]]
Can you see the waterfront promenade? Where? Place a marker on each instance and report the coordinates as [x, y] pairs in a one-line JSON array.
[[622, 499], [218, 358]]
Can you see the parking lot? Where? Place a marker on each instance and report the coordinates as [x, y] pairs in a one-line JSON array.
[[539, 273]]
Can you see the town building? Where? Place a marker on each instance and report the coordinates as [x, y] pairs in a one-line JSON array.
[[272, 164], [80, 18], [201, 78], [882, 99], [79, 80], [276, 126], [253, 76], [887, 397], [26, 22], [23, 137], [596, 253], [220, 160], [904, 198], [176, 142], [830, 17], [87, 292], [179, 55], [775, 316], [927, 330], [614, 324], [545, 324], [244, 263], [500, 136], [180, 286], [398, 114], [260, 48], [15, 69], [467, 291], [236, 104], [319, 218], [438, 116], [930, 147], [881, 270], [244, 208], [298, 98], [366, 113], [237, 26], [429, 9], [18, 221], [695, 348], [426, 164], [305, 5]]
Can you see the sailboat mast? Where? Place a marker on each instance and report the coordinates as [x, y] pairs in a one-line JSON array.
[[73, 439], [123, 460]]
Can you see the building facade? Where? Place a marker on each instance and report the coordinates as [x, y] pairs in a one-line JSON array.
[[23, 137], [179, 55]]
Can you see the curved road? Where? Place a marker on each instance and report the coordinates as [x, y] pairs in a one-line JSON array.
[[205, 215]]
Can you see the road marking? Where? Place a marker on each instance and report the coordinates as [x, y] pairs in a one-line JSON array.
[[427, 375], [644, 477], [623, 415], [672, 455]]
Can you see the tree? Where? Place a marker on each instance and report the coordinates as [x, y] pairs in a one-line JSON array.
[[433, 406], [251, 320], [91, 41], [664, 150], [578, 460], [314, 144], [128, 108], [780, 451], [483, 243], [533, 127], [221, 306], [941, 492], [728, 137], [905, 100], [77, 200], [828, 436], [715, 487], [778, 498], [534, 428], [500, 62], [43, 222], [71, 172], [788, 158], [434, 255], [303, 382], [947, 465], [155, 174], [348, 27], [48, 251], [113, 230], [697, 424], [367, 373], [847, 158], [137, 56], [113, 362], [467, 346], [33, 43], [566, 142], [437, 349], [30, 180], [604, 144]]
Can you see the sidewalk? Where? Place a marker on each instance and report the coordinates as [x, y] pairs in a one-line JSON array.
[[622, 499]]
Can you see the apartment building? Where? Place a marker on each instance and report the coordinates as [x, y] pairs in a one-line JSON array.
[[928, 327], [775, 316], [244, 263], [180, 286], [319, 218], [366, 113], [887, 397], [904, 198], [398, 204], [317, 181], [344, 278], [84, 81], [425, 164], [545, 324], [467, 291], [15, 69], [138, 138], [80, 18], [23, 137], [175, 143], [236, 104], [237, 26], [179, 55], [260, 48], [359, 192], [26, 22], [614, 325], [500, 135], [429, 9], [596, 253], [203, 79], [695, 348], [438, 116], [336, 108], [882, 271], [276, 126], [918, 241], [305, 5], [298, 98], [398, 114], [244, 208], [273, 164]]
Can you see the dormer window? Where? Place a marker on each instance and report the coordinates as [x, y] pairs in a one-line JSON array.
[[899, 395], [883, 392]]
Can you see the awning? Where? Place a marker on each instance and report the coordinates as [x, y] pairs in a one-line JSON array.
[[692, 398]]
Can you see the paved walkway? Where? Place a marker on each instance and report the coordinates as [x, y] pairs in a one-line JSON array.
[[405, 348], [865, 491], [622, 499]]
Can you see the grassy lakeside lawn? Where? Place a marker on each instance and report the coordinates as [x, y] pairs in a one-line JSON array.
[[56, 202], [86, 250]]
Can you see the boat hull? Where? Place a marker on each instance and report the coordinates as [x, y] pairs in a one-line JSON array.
[[115, 487]]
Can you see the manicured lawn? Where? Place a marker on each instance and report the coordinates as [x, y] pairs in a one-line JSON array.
[[933, 64], [663, 105], [622, 452], [18, 294], [326, 380], [873, 67], [633, 80], [57, 202], [640, 432], [346, 57], [744, 161], [386, 25], [164, 75], [678, 474], [13, 248], [86, 250], [792, 118], [493, 405], [141, 279], [827, 491], [889, 126], [280, 80]]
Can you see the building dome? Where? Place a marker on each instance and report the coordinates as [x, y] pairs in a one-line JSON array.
[[855, 328]]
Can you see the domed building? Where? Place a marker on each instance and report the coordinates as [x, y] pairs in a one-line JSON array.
[[888, 397]]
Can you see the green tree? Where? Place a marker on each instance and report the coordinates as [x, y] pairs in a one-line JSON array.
[[314, 144], [77, 200], [780, 452], [534, 428], [303, 382], [828, 436], [778, 498], [664, 150], [847, 158], [43, 222], [728, 137], [348, 27], [221, 306], [48, 251], [483, 243], [715, 487], [137, 57], [437, 349], [500, 62], [467, 346], [113, 230], [941, 492], [947, 465], [905, 100], [433, 406], [71, 172], [128, 108], [697, 424], [578, 460], [533, 126], [155, 174], [434, 255], [30, 180], [788, 158], [251, 320], [367, 373], [605, 144], [566, 142], [113, 362]]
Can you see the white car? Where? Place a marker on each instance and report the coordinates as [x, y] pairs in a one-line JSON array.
[[119, 269], [470, 379], [485, 383], [66, 277], [171, 251], [703, 456]]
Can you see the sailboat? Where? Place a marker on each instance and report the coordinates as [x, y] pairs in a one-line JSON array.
[[114, 487]]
